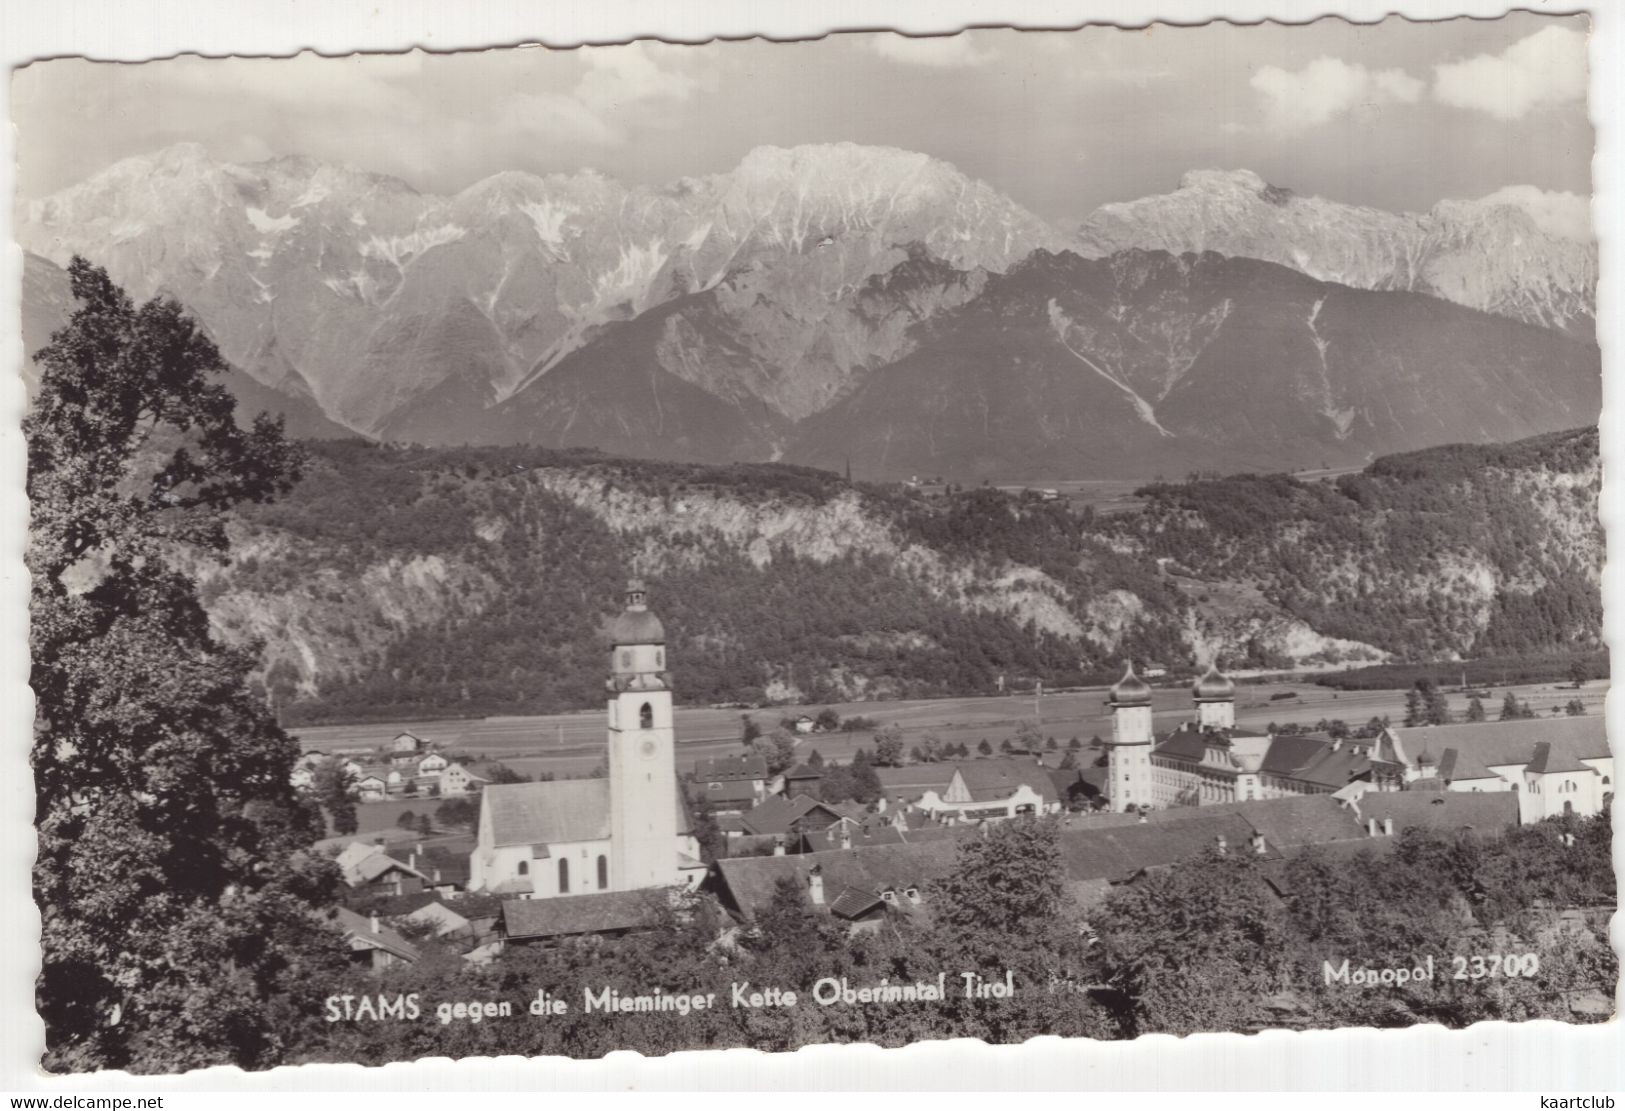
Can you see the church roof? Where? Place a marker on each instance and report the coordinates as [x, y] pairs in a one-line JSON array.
[[1456, 766], [1549, 759], [550, 813], [1511, 743]]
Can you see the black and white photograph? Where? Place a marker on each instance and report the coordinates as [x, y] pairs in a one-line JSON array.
[[877, 539]]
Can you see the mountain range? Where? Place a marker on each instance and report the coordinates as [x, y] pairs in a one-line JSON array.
[[846, 304]]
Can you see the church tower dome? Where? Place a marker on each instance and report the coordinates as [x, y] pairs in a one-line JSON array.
[[1215, 694], [636, 624], [1130, 690], [1214, 685]]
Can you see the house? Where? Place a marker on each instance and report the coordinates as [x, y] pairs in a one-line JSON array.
[[455, 779], [611, 914], [858, 887], [972, 790], [801, 779], [378, 837], [850, 832], [787, 818], [372, 785], [372, 944], [368, 866], [432, 764], [405, 743], [805, 724], [304, 769], [730, 784], [444, 921]]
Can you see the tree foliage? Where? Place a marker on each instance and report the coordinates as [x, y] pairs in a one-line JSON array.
[[173, 894]]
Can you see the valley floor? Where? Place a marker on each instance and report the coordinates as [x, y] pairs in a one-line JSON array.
[[572, 744]]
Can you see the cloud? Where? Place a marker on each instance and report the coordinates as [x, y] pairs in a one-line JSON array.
[[1327, 88], [941, 51], [1559, 213], [556, 117], [1548, 67], [626, 76], [621, 86]]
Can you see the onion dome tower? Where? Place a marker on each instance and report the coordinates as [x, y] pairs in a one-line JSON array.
[[1215, 695], [1128, 759], [642, 751]]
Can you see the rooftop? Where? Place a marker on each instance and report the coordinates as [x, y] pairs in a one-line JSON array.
[[776, 815], [1117, 852], [581, 914], [550, 813], [1511, 743], [748, 882], [359, 929], [722, 768]]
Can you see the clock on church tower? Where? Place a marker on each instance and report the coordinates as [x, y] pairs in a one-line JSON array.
[[642, 751]]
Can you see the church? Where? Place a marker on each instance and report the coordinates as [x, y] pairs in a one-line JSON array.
[[1208, 759], [583, 836], [1556, 766]]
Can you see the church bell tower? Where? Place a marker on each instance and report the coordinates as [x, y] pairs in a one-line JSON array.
[[642, 751], [1215, 694], [1128, 760]]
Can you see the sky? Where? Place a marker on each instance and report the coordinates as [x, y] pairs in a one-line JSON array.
[[1397, 115]]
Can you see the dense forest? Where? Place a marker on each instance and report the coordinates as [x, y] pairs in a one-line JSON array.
[[397, 581]]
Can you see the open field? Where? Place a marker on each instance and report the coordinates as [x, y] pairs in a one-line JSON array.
[[1116, 495], [571, 744]]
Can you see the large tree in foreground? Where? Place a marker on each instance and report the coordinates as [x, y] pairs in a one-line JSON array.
[[173, 893]]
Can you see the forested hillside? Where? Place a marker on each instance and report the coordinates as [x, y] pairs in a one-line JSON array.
[[1472, 550], [399, 582]]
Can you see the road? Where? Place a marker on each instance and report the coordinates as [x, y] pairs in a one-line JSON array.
[[571, 744]]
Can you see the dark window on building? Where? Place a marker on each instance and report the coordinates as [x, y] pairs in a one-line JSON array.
[[564, 876], [646, 717], [603, 872]]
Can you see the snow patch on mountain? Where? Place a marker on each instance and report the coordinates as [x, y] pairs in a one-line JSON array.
[[1520, 251], [267, 224], [398, 250]]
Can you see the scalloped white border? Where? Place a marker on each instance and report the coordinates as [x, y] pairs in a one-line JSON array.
[[1489, 1057]]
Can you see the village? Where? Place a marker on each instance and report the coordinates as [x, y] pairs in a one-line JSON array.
[[480, 859]]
